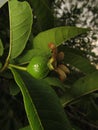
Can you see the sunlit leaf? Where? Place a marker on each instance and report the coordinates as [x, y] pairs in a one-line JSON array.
[[42, 105], [57, 36], [29, 54], [33, 117], [21, 18]]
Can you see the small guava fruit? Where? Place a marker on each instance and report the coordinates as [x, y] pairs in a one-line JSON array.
[[38, 67]]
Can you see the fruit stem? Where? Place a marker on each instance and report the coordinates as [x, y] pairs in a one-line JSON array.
[[17, 67], [50, 64]]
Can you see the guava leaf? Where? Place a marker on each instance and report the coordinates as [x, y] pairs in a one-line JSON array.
[[57, 36], [77, 59], [2, 2], [55, 82], [81, 87], [35, 122], [20, 14], [42, 105], [45, 19], [1, 48], [29, 54]]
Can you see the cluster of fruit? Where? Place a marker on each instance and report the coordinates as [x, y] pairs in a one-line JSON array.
[[40, 66]]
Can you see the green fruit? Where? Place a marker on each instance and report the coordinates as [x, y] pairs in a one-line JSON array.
[[38, 67]]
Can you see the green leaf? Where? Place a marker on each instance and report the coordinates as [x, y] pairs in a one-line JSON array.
[[77, 59], [32, 114], [2, 2], [81, 87], [57, 36], [20, 26], [45, 19], [1, 48], [56, 83], [42, 105], [29, 54]]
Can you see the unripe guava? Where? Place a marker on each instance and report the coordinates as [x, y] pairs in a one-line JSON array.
[[38, 67]]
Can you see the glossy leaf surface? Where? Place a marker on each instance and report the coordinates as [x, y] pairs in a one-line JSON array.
[[20, 26], [42, 105], [29, 54], [57, 36]]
